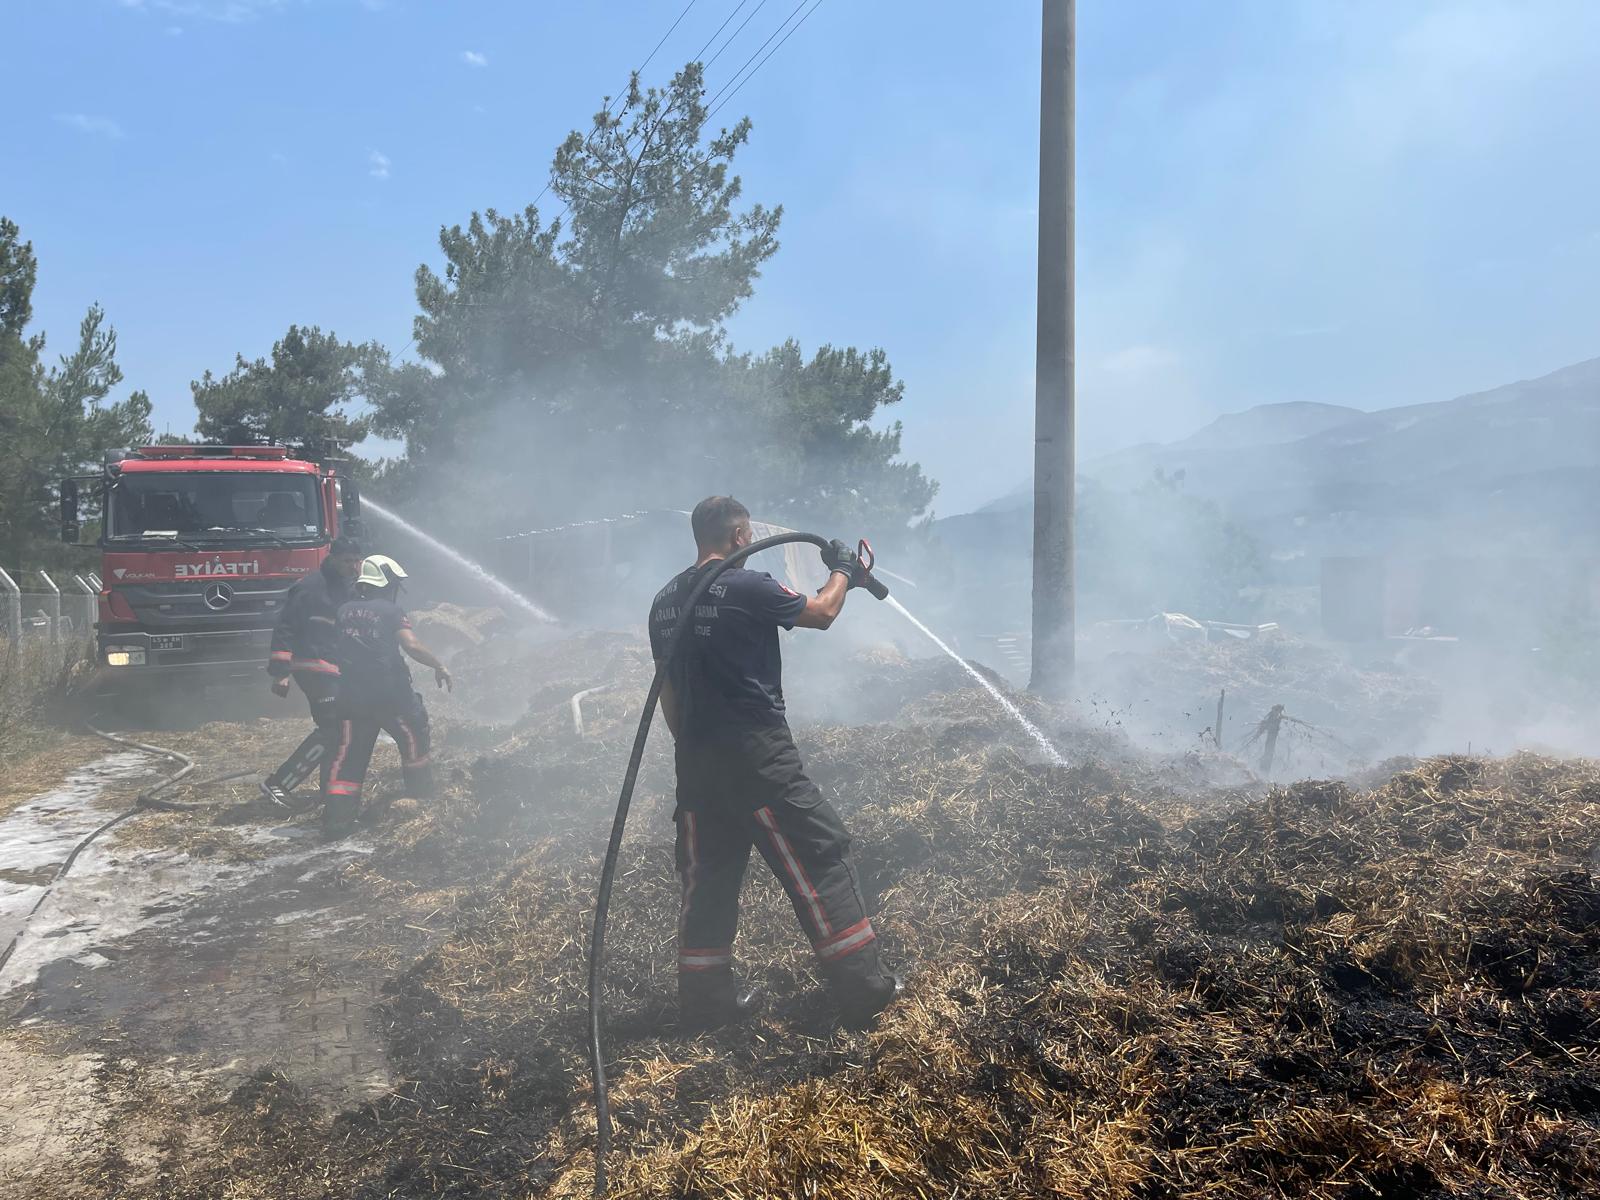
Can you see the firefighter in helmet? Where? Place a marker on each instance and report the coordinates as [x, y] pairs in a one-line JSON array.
[[375, 693], [741, 784], [303, 648]]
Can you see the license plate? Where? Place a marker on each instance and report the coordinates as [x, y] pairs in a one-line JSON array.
[[169, 641]]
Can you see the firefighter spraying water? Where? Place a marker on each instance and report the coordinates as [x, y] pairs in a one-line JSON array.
[[741, 782]]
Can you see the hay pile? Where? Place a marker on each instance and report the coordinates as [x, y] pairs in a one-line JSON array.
[[1328, 993], [1134, 979], [527, 672], [450, 628]]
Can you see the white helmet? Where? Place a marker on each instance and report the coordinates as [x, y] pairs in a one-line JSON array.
[[379, 570]]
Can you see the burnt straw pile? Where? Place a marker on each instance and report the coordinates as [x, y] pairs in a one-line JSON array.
[[1131, 979]]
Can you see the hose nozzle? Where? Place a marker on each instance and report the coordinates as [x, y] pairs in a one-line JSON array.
[[868, 559]]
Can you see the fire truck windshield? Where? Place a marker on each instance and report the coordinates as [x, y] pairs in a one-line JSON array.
[[214, 506]]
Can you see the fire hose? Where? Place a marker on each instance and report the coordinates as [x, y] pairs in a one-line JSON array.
[[597, 1066], [151, 798]]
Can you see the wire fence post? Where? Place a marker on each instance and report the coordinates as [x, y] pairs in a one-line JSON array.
[[1272, 723], [88, 602], [13, 606], [52, 609]]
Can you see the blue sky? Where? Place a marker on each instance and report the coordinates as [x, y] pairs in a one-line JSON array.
[[1354, 202]]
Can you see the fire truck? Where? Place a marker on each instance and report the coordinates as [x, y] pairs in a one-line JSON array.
[[199, 546]]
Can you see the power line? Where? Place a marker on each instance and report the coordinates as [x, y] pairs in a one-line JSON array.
[[637, 71], [741, 71], [695, 166], [758, 50], [735, 34], [736, 89], [763, 62], [718, 104], [665, 36], [699, 54], [628, 142]]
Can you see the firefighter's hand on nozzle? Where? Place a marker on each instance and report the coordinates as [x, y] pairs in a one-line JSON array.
[[443, 678], [280, 687], [843, 559]]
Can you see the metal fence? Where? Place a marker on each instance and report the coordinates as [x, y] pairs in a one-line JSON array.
[[55, 610]]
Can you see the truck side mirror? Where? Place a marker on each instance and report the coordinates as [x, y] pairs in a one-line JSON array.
[[350, 506], [69, 512]]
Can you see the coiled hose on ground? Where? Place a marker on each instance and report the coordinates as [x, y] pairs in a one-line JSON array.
[[151, 798], [597, 1065]]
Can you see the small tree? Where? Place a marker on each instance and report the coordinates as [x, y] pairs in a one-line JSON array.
[[303, 397], [54, 422], [580, 366], [813, 458]]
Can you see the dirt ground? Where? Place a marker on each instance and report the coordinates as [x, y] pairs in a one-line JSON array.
[[183, 952], [1126, 973]]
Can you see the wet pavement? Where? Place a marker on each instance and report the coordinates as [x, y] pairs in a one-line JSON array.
[[206, 970], [276, 967], [37, 837]]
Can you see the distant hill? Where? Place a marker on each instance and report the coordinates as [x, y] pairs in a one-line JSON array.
[[1270, 425], [1263, 425], [1516, 466]]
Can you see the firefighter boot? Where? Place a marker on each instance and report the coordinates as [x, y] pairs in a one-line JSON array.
[[339, 815], [376, 809], [859, 1011], [418, 782], [710, 1000]]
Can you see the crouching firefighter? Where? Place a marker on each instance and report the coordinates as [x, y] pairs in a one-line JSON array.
[[304, 645], [375, 694], [740, 780]]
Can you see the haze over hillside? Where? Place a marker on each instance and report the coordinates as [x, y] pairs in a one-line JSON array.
[[1263, 425], [1517, 466]]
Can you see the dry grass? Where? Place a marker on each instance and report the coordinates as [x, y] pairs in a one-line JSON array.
[[1328, 993], [1133, 979], [39, 687]]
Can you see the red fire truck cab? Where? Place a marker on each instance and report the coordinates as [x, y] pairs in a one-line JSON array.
[[199, 546]]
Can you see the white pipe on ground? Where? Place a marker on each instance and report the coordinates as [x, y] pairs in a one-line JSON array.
[[577, 706]]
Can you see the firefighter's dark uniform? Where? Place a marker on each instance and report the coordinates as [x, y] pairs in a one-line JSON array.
[[740, 782], [304, 644], [375, 694]]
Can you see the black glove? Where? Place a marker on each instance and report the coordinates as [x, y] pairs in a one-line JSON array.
[[842, 558]]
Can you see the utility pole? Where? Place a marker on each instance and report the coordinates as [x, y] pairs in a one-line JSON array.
[[1054, 468]]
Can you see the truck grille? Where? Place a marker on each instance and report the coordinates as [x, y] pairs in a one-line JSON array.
[[207, 604]]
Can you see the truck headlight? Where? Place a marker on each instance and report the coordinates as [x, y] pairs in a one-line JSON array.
[[124, 658]]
